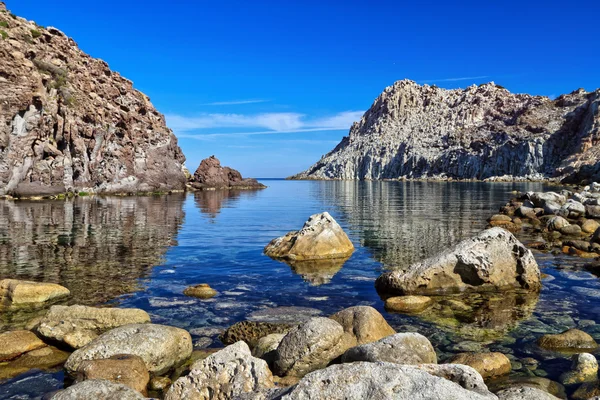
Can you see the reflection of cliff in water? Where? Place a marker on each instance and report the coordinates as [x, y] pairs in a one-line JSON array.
[[210, 202], [97, 247], [405, 222]]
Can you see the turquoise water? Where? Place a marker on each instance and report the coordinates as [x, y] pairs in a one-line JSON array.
[[144, 251]]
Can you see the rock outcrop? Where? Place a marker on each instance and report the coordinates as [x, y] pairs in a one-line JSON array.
[[211, 175], [14, 292], [481, 132], [321, 237], [69, 123], [493, 260]]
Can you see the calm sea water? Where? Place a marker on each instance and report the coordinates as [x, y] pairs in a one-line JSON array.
[[144, 251]]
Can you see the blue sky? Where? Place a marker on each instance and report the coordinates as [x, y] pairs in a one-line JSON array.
[[270, 86]]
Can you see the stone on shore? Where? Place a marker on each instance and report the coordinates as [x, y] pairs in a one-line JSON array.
[[78, 325], [311, 346], [590, 226], [401, 348], [584, 368], [365, 380], [123, 368], [17, 292], [408, 304], [570, 340], [42, 359], [489, 365], [98, 389], [320, 238], [267, 346], [161, 347], [492, 260], [15, 343], [201, 291], [524, 393], [364, 323], [251, 332], [223, 375]]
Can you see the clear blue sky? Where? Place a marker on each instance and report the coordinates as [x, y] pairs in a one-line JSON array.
[[296, 73]]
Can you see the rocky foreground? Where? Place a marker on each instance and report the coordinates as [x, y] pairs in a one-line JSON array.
[[354, 354], [70, 124], [482, 133]]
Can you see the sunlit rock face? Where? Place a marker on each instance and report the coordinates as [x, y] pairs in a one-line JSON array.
[[69, 123], [481, 132], [96, 247]]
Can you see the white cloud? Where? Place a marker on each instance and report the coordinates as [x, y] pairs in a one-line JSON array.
[[235, 102], [266, 123]]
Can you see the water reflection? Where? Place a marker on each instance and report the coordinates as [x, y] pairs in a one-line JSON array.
[[210, 202], [317, 272], [405, 222], [97, 247]]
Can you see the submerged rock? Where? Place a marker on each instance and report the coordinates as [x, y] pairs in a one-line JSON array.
[[15, 343], [364, 323], [489, 365], [201, 291], [16, 292], [78, 325], [161, 347], [224, 375], [401, 348], [122, 368], [311, 346], [492, 260], [211, 175], [98, 389], [584, 368], [43, 358], [570, 340], [408, 304], [320, 238]]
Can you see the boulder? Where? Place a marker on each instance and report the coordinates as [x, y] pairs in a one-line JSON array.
[[98, 389], [569, 340], [572, 209], [211, 175], [524, 393], [364, 323], [251, 331], [223, 375], [489, 365], [557, 223], [41, 359], [463, 375], [311, 346], [78, 325], [201, 291], [571, 230], [161, 347], [540, 199], [17, 292], [493, 260], [584, 368], [123, 368], [543, 385], [590, 226], [408, 304], [401, 348], [587, 391], [592, 211], [266, 347], [378, 381], [320, 238], [15, 343]]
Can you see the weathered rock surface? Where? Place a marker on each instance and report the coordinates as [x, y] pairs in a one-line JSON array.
[[481, 132], [493, 260], [364, 323], [15, 343], [321, 237], [584, 368], [463, 375], [43, 358], [408, 304], [401, 348], [201, 291], [222, 376], [266, 347], [489, 365], [379, 381], [69, 123], [78, 325], [252, 331], [123, 368], [17, 292], [311, 346], [524, 393], [211, 175], [161, 347], [98, 389], [570, 340]]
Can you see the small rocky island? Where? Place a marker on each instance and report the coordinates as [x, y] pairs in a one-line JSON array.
[[210, 175]]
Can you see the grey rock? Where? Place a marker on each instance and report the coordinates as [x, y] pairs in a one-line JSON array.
[[161, 347], [524, 393], [492, 260], [401, 348], [98, 389], [572, 209], [557, 223]]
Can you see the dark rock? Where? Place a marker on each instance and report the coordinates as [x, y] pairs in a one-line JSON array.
[[211, 175], [250, 332]]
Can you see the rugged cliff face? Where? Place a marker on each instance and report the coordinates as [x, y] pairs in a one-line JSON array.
[[482, 132], [68, 123]]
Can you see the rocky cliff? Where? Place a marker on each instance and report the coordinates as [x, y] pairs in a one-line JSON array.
[[482, 132], [69, 123]]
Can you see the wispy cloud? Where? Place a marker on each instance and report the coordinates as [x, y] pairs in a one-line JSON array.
[[258, 124], [235, 102], [464, 78]]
